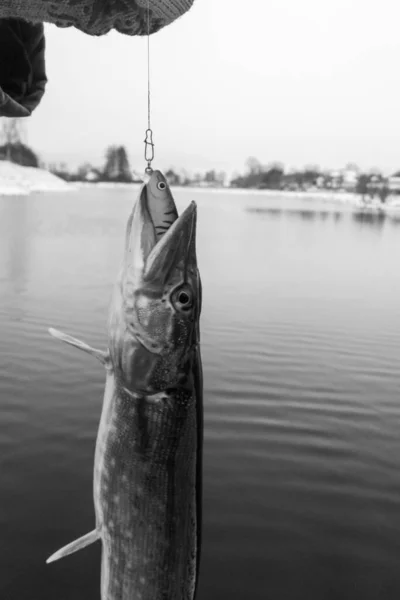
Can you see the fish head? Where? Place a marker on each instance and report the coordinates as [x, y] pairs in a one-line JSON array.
[[154, 319]]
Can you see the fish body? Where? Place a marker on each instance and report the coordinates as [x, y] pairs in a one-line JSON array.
[[148, 457]]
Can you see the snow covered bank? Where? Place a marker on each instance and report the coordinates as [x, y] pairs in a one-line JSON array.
[[112, 185], [16, 180]]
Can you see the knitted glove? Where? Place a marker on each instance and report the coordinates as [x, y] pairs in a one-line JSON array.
[[22, 69], [97, 17], [22, 66]]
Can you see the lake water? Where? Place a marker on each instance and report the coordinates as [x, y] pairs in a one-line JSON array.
[[301, 351]]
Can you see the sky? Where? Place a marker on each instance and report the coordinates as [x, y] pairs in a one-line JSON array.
[[296, 81]]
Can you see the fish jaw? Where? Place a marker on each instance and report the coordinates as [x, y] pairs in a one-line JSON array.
[[155, 307]]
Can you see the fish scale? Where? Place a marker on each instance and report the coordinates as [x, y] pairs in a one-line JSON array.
[[146, 496]]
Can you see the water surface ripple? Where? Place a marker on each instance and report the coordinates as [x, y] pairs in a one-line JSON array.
[[301, 350]]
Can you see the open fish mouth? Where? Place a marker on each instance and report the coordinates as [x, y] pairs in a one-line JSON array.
[[156, 301], [157, 239]]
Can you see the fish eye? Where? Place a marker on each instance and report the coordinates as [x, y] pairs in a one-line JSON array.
[[183, 298], [161, 185]]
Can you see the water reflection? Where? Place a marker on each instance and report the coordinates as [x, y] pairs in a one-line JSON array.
[[371, 219], [374, 219], [16, 236], [293, 213], [301, 348], [19, 244]]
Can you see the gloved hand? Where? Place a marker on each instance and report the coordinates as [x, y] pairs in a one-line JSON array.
[[22, 67]]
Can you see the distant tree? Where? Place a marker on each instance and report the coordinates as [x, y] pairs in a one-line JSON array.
[[375, 171], [339, 181], [275, 164], [289, 180], [272, 179], [184, 177], [362, 184], [221, 177], [172, 177], [253, 165], [352, 167], [61, 171], [111, 168], [327, 180], [384, 192], [210, 176], [294, 180], [12, 148], [238, 181], [250, 180], [197, 178], [310, 176], [123, 164], [19, 154], [117, 164], [84, 169], [312, 167], [11, 131]]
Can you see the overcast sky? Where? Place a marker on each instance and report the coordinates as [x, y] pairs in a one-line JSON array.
[[296, 81]]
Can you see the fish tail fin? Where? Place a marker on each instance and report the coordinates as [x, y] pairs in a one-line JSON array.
[[76, 545], [103, 357]]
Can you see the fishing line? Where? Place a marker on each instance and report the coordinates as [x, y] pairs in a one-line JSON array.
[[148, 142], [148, 68]]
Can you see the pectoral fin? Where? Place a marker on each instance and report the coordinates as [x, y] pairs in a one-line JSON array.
[[78, 544], [103, 357]]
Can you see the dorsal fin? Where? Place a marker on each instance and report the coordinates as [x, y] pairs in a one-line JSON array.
[[102, 356]]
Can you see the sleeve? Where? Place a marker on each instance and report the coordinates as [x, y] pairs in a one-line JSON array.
[[22, 67], [98, 17]]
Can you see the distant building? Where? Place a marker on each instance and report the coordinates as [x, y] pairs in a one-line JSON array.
[[335, 179], [172, 177], [92, 175], [342, 179], [349, 178], [394, 183]]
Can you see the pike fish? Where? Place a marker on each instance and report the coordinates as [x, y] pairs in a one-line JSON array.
[[148, 458]]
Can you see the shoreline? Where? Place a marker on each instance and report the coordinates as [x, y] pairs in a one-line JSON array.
[[16, 180]]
